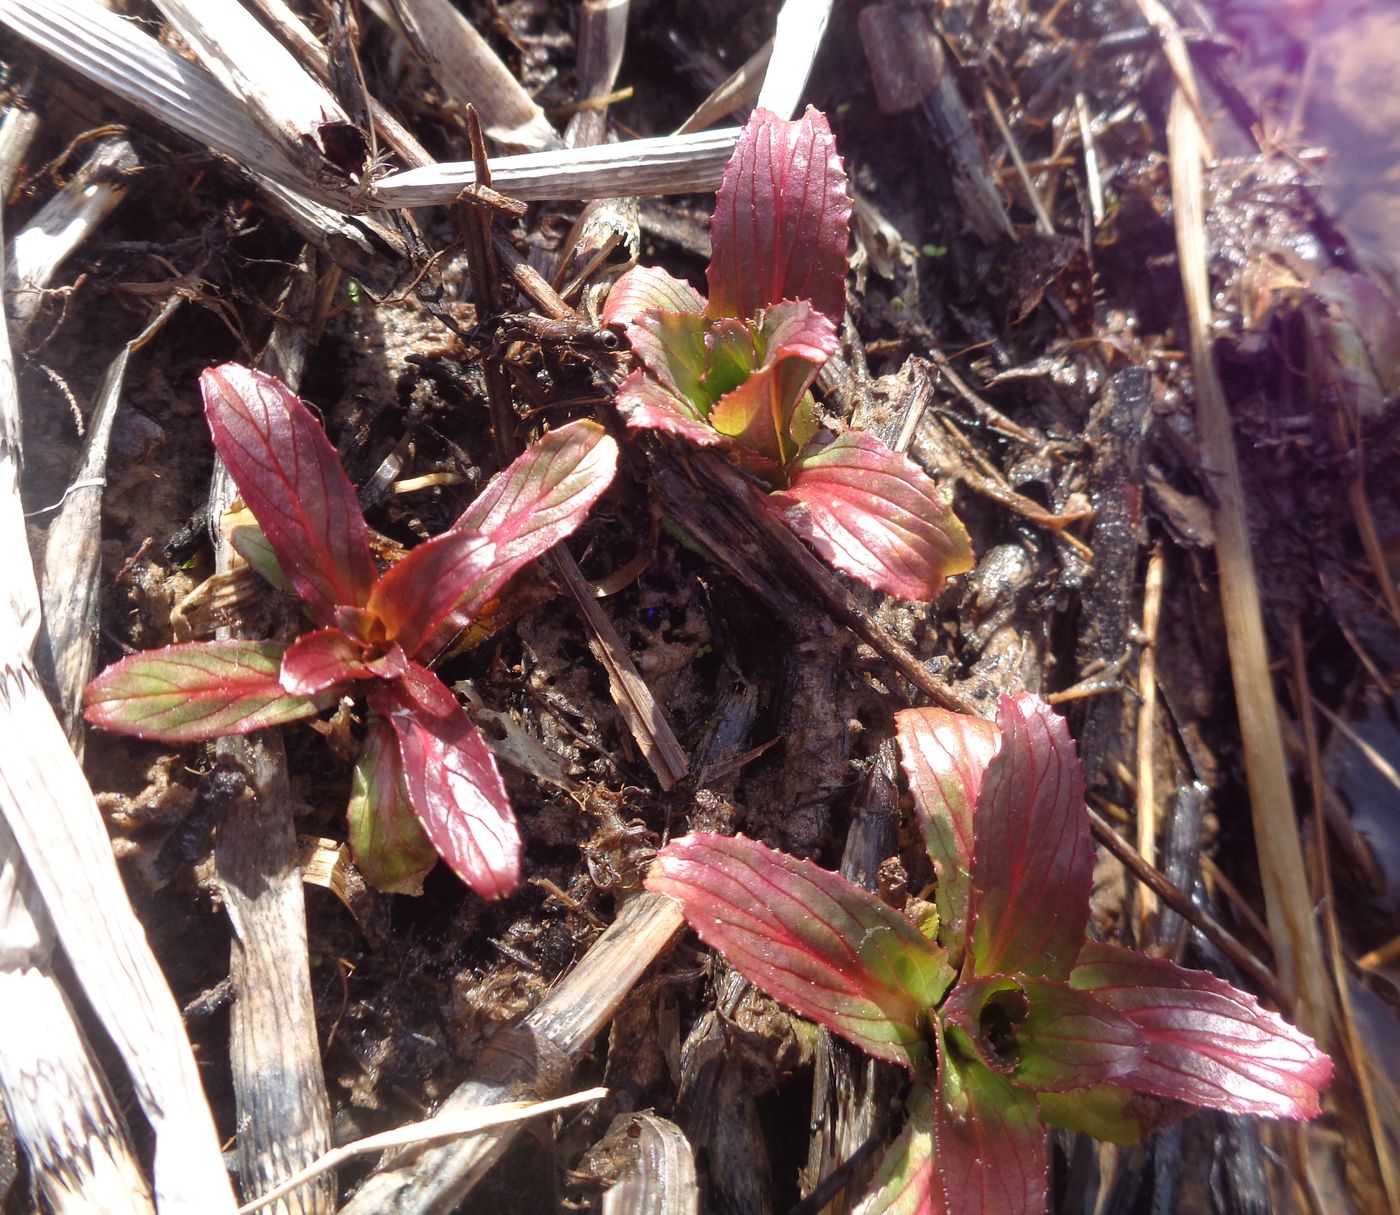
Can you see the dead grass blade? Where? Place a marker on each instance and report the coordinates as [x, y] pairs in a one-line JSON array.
[[49, 809], [71, 587], [62, 224], [279, 1086], [665, 164], [471, 73], [444, 1126], [659, 1173], [1289, 911], [296, 110], [801, 26]]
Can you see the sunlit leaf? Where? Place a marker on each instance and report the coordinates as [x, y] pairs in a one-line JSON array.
[[1042, 1034], [1033, 864], [541, 499], [417, 594], [907, 1182], [1207, 1042], [184, 693], [945, 756], [453, 784], [318, 661], [781, 223], [387, 841], [291, 479], [827, 949], [649, 289], [874, 514], [990, 1142]]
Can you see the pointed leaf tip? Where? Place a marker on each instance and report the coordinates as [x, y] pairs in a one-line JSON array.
[[810, 939], [1033, 863], [876, 515], [782, 217], [1208, 1043], [290, 478]]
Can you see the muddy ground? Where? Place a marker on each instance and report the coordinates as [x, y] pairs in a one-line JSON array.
[[1062, 418]]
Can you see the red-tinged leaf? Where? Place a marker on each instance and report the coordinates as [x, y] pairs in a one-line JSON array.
[[795, 329], [453, 785], [387, 841], [756, 413], [318, 661], [782, 219], [645, 405], [185, 693], [1042, 1034], [827, 949], [875, 514], [1033, 864], [417, 594], [648, 289], [291, 479], [990, 1141], [907, 1182], [945, 756], [1207, 1042]]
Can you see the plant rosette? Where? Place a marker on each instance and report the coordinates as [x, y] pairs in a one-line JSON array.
[[1007, 1016], [735, 370], [425, 785]]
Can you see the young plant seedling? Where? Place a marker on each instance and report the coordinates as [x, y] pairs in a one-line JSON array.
[[735, 370], [425, 784], [1007, 1016]]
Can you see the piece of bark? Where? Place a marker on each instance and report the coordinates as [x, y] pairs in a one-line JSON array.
[[279, 1085], [528, 1061], [852, 1094]]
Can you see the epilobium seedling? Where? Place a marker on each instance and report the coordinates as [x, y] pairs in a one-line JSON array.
[[1007, 1016], [735, 370], [425, 784]]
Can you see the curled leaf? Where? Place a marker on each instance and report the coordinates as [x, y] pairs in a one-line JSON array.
[[1207, 1042], [646, 405], [1044, 1035], [782, 219], [291, 479], [316, 662], [827, 949], [387, 841], [184, 693], [417, 594], [875, 514], [1033, 864]]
